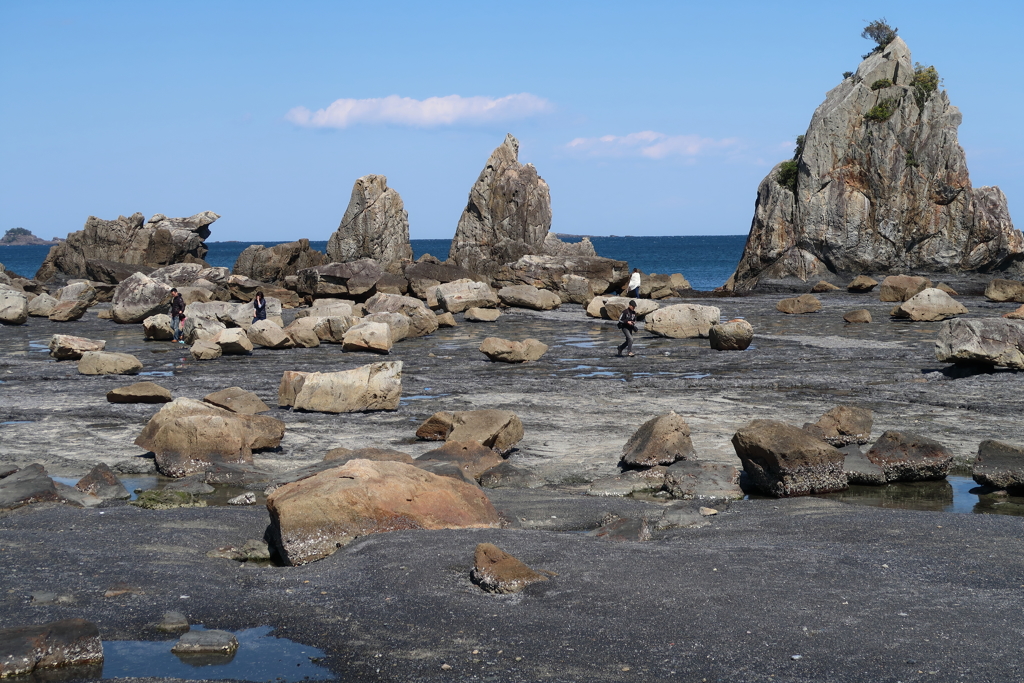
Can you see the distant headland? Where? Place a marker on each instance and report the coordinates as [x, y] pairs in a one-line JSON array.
[[20, 237]]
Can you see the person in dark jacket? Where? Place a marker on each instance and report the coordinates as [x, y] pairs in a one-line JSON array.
[[259, 306], [627, 323], [177, 315]]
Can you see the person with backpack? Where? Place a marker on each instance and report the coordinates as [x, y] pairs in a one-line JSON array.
[[177, 315], [627, 323]]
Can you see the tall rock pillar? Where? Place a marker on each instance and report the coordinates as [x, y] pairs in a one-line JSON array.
[[375, 225]]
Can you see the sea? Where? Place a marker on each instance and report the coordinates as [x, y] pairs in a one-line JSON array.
[[706, 261]]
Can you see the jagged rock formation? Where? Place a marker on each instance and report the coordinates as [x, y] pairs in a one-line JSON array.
[[881, 187], [277, 262], [508, 215], [375, 225], [159, 242]]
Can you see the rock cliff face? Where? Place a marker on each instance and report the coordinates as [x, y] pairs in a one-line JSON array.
[[881, 186], [508, 214], [375, 225], [277, 262], [159, 242]]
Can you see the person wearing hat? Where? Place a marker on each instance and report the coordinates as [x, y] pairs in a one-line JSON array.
[[177, 315], [627, 323]]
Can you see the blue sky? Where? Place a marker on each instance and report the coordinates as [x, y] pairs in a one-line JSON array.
[[109, 108]]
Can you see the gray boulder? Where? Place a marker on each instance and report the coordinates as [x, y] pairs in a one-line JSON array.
[[910, 457], [45, 651], [528, 296], [13, 307], [782, 460], [107, 363], [999, 465], [982, 341], [138, 297], [375, 226], [353, 278], [661, 440], [67, 347], [703, 481], [25, 486], [277, 262]]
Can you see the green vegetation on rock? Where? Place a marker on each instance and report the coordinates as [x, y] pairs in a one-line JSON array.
[[883, 110], [880, 32], [881, 83], [15, 232], [789, 170], [926, 81]]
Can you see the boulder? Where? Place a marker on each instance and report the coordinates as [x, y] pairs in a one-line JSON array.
[[78, 290], [1005, 290], [842, 426], [507, 351], [368, 336], [188, 435], [805, 303], [552, 273], [233, 342], [495, 571], [910, 457], [734, 335], [39, 649], [508, 214], [861, 197], [140, 392], [929, 305], [507, 475], [1015, 315], [682, 321], [212, 643], [457, 296], [41, 306], [244, 288], [332, 329], [528, 296], [861, 284], [382, 302], [158, 327], [302, 333], [66, 347], [311, 518], [158, 242], [113, 272], [661, 440], [576, 289], [107, 363], [999, 465], [437, 427], [445, 320], [26, 486], [823, 286], [703, 481], [277, 262], [200, 328], [782, 460], [472, 457], [611, 307], [377, 386], [482, 315], [178, 274], [983, 341], [268, 334], [325, 308], [205, 350], [497, 429], [861, 315], [67, 311], [102, 483], [650, 480], [375, 225], [422, 323], [398, 324], [139, 297], [859, 470], [946, 288], [13, 307], [902, 287], [354, 278], [237, 400]]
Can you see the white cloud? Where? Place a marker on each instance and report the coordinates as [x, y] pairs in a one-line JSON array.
[[650, 144], [433, 111]]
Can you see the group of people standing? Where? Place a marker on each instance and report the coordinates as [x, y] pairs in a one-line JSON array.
[[259, 312]]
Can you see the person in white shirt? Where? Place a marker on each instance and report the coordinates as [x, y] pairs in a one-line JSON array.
[[633, 288]]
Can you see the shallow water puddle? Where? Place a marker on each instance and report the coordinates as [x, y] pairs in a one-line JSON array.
[[157, 373], [956, 493], [260, 657], [135, 485]]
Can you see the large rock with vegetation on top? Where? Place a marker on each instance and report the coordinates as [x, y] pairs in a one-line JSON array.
[[782, 460], [312, 518], [375, 225], [878, 183]]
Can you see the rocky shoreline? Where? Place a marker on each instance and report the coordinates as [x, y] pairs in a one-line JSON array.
[[407, 596]]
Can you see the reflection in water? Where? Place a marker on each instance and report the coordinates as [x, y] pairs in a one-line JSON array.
[[956, 493]]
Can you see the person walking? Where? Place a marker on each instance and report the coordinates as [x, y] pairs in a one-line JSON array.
[[259, 306], [177, 315], [627, 323], [633, 288]]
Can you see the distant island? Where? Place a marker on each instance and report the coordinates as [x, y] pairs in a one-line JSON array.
[[20, 237]]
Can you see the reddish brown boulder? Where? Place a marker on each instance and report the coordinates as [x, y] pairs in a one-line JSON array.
[[496, 571]]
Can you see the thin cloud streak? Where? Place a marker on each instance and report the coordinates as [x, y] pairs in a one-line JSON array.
[[432, 111], [651, 145]]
